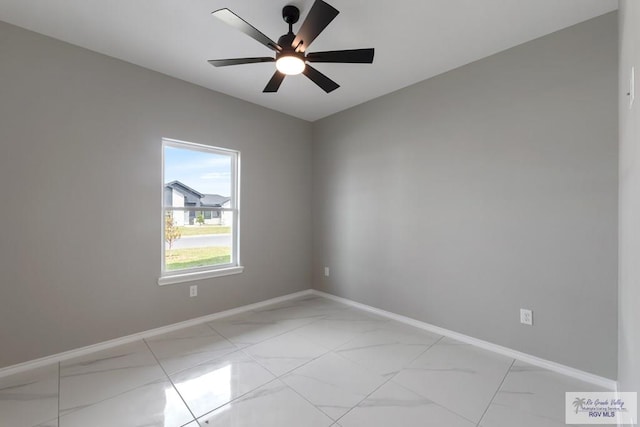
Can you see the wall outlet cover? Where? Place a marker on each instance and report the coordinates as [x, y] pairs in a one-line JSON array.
[[526, 317], [193, 291]]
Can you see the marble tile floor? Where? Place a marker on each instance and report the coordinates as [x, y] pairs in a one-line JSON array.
[[305, 362]]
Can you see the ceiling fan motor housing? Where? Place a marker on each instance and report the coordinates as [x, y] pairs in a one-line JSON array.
[[286, 42], [290, 14]]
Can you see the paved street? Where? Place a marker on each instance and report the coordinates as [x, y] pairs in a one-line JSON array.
[[201, 241]]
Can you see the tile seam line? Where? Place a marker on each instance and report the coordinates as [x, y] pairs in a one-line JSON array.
[[171, 382], [496, 392], [111, 397], [276, 377], [391, 377]]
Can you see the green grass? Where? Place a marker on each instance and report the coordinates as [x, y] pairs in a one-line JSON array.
[[197, 230], [179, 259]]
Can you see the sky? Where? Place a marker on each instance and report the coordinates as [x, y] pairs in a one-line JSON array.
[[207, 173]]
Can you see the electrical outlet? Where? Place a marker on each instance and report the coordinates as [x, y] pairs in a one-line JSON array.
[[326, 271], [526, 317], [193, 291]]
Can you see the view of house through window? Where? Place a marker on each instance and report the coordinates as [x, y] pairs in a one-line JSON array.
[[200, 207]]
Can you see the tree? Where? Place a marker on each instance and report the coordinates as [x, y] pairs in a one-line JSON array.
[[171, 230], [200, 219]]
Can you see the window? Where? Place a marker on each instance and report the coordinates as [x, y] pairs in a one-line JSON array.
[[200, 215]]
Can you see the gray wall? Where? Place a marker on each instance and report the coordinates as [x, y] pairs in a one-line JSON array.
[[629, 291], [492, 187], [455, 201], [80, 166]]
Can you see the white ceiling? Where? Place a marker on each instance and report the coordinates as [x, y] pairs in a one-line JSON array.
[[414, 40]]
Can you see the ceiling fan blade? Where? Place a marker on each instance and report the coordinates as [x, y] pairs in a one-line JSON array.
[[353, 56], [274, 83], [238, 61], [320, 79], [238, 23], [320, 15]]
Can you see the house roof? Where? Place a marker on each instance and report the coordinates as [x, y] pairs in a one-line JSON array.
[[182, 187], [214, 200], [211, 200]]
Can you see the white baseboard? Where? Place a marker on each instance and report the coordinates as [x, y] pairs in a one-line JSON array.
[[533, 360], [48, 360]]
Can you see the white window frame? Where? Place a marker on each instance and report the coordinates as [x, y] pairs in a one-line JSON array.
[[199, 273]]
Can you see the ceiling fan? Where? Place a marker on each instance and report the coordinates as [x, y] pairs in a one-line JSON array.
[[290, 51]]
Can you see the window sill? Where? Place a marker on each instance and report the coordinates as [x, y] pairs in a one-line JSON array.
[[198, 275]]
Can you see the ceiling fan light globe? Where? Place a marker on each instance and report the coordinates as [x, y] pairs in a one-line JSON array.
[[290, 65]]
